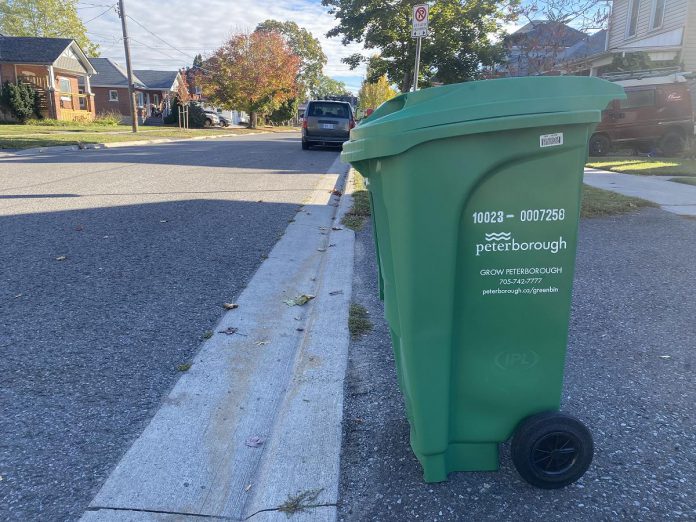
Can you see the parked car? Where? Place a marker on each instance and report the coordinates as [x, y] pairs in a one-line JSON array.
[[224, 122], [326, 123], [211, 118], [653, 118]]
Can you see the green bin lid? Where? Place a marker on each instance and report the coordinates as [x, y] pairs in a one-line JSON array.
[[483, 106]]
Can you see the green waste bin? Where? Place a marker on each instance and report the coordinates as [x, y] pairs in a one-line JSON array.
[[475, 190]]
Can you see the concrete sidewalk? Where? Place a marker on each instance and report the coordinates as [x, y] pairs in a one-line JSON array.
[[677, 198], [253, 429]]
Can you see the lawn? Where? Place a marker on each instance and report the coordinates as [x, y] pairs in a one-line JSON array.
[[646, 166], [597, 203], [28, 136], [685, 181]]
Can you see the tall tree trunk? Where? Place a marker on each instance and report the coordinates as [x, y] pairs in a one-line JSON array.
[[253, 119]]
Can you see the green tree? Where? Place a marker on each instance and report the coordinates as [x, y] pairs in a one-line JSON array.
[[45, 18], [286, 112], [372, 95], [198, 61], [462, 40], [306, 47], [254, 72], [20, 100], [327, 86]]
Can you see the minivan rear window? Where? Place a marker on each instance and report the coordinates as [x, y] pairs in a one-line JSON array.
[[330, 110], [638, 99]]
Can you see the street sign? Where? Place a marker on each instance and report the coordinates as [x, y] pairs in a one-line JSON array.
[[420, 21]]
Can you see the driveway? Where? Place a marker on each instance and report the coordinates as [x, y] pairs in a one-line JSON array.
[[115, 264]]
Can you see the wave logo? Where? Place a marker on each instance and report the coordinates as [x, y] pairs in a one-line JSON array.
[[499, 236]]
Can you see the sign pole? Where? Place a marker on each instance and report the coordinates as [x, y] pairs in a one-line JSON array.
[[419, 29], [415, 70]]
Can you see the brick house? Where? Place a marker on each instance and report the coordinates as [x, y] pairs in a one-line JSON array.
[[57, 68], [153, 90]]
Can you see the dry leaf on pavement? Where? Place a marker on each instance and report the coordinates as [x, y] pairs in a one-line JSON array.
[[299, 300], [230, 306], [254, 442]]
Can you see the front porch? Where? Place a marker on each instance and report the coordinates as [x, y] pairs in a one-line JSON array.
[[60, 96]]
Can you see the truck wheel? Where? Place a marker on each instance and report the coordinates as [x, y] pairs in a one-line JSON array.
[[600, 145], [551, 450], [305, 145], [672, 143]]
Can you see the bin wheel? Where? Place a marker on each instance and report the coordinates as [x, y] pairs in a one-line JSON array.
[[551, 450]]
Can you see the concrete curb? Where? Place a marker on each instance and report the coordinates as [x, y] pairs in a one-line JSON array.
[[99, 146], [280, 378], [673, 197]]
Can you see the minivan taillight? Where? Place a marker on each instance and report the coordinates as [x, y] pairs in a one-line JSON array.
[[304, 123], [352, 123]]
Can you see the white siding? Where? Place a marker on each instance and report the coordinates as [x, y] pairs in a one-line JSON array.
[[675, 16], [689, 53]]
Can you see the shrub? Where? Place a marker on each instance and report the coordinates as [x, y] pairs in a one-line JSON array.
[[108, 119], [21, 100]]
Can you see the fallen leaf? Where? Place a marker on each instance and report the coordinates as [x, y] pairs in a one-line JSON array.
[[321, 250], [229, 331], [299, 300], [300, 329], [207, 334], [336, 228], [262, 343], [184, 367], [254, 442], [332, 244], [247, 487], [336, 192], [230, 306], [61, 258], [336, 292]]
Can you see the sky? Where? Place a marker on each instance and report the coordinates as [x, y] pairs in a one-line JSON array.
[[201, 26]]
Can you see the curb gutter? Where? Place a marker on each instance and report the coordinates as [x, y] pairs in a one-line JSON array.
[[253, 429]]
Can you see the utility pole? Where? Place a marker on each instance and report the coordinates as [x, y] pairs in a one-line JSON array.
[[131, 90]]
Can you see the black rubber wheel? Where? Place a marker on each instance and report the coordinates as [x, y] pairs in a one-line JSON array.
[[551, 450], [600, 145], [672, 143], [305, 145]]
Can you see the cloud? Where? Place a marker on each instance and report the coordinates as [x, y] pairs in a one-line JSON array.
[[201, 27]]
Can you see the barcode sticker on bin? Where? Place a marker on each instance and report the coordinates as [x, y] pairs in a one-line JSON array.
[[551, 140]]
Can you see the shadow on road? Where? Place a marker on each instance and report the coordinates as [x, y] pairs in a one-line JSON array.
[[98, 307]]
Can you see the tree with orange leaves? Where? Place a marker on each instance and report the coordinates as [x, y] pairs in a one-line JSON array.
[[254, 72]]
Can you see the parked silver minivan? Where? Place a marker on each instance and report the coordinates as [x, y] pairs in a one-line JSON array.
[[326, 122]]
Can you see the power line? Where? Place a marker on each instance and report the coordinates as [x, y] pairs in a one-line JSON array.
[[154, 49], [99, 15], [161, 39]]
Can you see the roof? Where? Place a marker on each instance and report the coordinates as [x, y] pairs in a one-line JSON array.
[[21, 49], [40, 51], [547, 32], [157, 79], [588, 46], [111, 74]]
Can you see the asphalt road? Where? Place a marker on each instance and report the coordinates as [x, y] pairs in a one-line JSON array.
[[115, 263], [629, 377]]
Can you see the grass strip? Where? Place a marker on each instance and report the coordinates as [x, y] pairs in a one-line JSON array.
[[645, 166], [598, 203], [358, 320], [356, 216]]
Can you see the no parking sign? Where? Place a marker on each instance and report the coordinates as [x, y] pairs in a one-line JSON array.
[[420, 21]]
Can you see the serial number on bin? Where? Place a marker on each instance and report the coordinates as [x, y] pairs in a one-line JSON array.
[[529, 215]]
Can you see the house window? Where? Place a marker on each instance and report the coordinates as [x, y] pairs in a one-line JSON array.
[[658, 14], [113, 96], [64, 89], [634, 7], [156, 99], [83, 101], [141, 99]]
